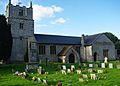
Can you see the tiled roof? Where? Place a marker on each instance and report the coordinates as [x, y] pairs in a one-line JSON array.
[[56, 39]]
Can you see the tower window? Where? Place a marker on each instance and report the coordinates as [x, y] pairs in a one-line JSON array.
[[20, 12], [52, 50], [21, 25]]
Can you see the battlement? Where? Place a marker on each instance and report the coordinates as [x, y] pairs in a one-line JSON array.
[[18, 11]]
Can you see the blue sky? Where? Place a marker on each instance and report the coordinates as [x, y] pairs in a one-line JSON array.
[[73, 17]]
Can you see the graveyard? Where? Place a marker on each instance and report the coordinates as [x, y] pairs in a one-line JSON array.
[[84, 74]]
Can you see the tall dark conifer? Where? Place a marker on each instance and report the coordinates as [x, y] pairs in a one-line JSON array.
[[5, 39]]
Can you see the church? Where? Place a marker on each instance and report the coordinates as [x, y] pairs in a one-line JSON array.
[[53, 48]]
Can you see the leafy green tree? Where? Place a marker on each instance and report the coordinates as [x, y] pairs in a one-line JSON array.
[[112, 37], [115, 40], [5, 39]]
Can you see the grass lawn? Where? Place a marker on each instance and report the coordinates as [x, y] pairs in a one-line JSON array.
[[7, 77]]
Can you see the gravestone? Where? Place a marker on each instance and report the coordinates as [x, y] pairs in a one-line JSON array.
[[81, 80], [72, 68], [90, 70], [105, 60], [45, 82], [31, 66], [110, 65], [64, 67], [39, 80], [84, 64], [78, 71], [102, 65], [39, 70], [96, 65], [118, 66], [93, 76], [85, 76], [91, 65], [63, 72], [100, 71], [68, 71]]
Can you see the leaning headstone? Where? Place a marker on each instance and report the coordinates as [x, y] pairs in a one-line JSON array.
[[45, 82], [102, 65], [91, 65], [39, 80], [110, 65]]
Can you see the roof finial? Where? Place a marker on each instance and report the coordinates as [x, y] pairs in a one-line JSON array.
[[31, 3], [9, 1]]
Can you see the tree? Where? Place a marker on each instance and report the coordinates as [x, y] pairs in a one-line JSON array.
[[115, 40], [5, 39], [112, 37]]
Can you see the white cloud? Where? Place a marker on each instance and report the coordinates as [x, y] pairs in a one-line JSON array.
[[14, 2], [59, 20], [40, 12]]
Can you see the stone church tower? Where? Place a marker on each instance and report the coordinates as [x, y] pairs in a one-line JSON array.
[[22, 26]]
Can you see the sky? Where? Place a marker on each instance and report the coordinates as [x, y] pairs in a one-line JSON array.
[[73, 17]]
